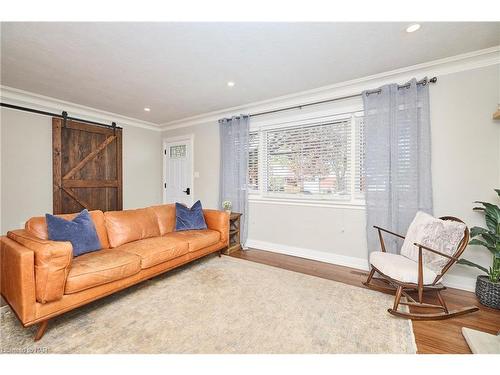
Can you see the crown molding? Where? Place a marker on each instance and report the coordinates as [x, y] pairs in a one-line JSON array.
[[448, 65], [23, 98]]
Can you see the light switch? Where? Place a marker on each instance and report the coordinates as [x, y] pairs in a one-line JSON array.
[[196, 174]]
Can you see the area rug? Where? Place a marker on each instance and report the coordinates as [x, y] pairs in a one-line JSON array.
[[223, 305], [481, 342]]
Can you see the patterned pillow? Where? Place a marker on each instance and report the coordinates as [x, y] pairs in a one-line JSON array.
[[440, 235]]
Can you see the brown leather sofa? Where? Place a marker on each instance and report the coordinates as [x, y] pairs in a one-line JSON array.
[[40, 279]]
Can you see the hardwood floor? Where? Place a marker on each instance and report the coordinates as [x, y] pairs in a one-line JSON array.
[[433, 337]]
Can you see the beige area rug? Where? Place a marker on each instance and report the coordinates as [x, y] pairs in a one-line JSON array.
[[224, 305], [481, 342]]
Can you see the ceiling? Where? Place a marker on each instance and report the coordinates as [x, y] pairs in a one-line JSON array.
[[182, 69]]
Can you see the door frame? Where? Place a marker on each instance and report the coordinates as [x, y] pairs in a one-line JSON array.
[[190, 139]]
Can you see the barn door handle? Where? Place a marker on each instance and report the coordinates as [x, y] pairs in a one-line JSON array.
[[187, 191]]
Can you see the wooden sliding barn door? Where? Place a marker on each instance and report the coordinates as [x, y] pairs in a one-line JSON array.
[[87, 167]]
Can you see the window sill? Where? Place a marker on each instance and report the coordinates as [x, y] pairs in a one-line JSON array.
[[353, 205]]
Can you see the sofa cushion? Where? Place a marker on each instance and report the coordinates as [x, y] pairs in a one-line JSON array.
[[400, 268], [155, 250], [130, 225], [197, 239], [37, 226], [80, 232], [100, 267], [165, 215]]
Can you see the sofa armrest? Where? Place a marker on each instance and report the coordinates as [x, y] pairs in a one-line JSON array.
[[219, 221], [52, 261], [18, 278]]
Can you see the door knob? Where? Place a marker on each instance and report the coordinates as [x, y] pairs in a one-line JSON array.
[[187, 191]]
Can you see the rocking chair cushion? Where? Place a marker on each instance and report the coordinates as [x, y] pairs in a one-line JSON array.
[[400, 268], [441, 235]]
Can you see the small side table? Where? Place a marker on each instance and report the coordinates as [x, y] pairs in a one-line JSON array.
[[234, 233]]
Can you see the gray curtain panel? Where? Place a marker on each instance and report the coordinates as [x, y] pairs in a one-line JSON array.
[[397, 160], [234, 167]]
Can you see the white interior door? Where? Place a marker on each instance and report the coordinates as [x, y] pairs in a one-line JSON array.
[[178, 184]]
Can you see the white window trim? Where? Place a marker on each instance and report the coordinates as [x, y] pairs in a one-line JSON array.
[[354, 204], [260, 196]]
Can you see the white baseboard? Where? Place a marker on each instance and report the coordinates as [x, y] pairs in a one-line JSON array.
[[452, 281], [460, 282], [321, 256]]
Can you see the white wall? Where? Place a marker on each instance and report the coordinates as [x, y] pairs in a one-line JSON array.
[[142, 167], [26, 174], [465, 167], [465, 147]]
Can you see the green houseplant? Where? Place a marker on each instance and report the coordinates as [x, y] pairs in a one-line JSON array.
[[227, 205], [488, 287]]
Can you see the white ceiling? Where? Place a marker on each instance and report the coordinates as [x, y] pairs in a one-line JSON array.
[[181, 69]]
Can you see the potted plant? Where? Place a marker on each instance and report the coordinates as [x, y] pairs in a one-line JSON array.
[[488, 287], [227, 205]]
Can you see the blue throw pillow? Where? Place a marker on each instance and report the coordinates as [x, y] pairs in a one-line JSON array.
[[80, 232], [189, 218]]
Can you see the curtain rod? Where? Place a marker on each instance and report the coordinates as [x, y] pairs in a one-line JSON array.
[[64, 115], [423, 82]]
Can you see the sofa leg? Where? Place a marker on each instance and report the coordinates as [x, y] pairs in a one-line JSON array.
[[220, 253], [41, 330]]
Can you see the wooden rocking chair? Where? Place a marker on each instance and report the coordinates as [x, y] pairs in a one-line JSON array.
[[405, 275]]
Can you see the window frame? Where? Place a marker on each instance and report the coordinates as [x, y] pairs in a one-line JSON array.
[[356, 200]]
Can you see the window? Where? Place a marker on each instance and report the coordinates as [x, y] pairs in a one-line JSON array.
[[314, 160], [310, 160], [359, 177], [178, 151], [253, 161]]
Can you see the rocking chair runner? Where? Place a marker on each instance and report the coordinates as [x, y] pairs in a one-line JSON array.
[[405, 275]]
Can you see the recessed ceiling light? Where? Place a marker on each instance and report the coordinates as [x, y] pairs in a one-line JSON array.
[[147, 109], [230, 84], [413, 28]]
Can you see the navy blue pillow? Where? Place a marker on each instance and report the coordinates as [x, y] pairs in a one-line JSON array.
[[189, 218], [80, 232]]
